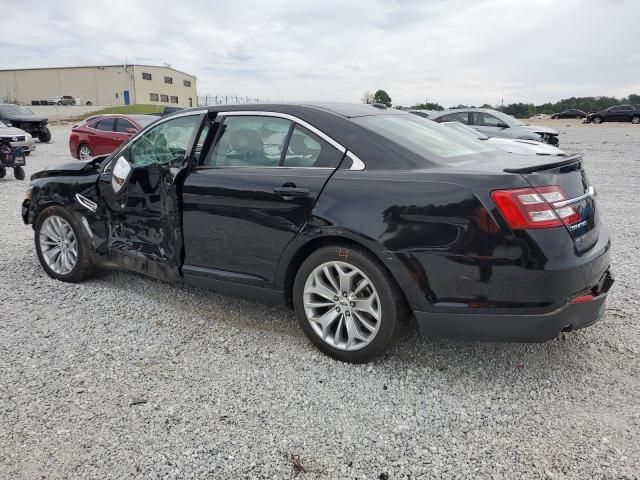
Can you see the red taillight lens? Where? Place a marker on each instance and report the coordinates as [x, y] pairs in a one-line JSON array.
[[532, 207]]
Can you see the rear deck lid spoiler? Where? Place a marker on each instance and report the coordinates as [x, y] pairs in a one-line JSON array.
[[546, 166]]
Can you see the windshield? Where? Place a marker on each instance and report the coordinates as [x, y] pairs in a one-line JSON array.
[[15, 110], [466, 130], [422, 136]]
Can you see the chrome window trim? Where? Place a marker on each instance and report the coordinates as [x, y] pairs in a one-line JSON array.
[[589, 193], [357, 164]]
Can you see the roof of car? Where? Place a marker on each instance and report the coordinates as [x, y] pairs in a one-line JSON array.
[[348, 110]]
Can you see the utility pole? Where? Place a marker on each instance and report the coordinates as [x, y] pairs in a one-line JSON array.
[[502, 99]]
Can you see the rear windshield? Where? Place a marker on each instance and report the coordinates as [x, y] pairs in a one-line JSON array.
[[424, 137]]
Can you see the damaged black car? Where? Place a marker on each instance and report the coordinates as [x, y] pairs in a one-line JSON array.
[[360, 218], [24, 119]]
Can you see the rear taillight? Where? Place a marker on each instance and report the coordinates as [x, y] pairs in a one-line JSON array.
[[533, 207]]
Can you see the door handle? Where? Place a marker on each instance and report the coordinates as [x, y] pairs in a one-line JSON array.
[[291, 192]]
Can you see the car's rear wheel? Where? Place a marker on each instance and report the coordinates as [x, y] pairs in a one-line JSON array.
[[62, 246], [84, 152], [18, 172], [347, 304], [635, 119], [45, 135], [597, 120]]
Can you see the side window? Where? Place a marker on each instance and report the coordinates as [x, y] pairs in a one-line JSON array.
[[485, 120], [247, 141], [106, 124], [122, 124], [462, 117], [306, 149], [166, 143]]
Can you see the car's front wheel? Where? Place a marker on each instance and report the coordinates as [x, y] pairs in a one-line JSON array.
[[45, 135], [635, 119], [84, 152], [597, 120], [62, 246], [347, 304]]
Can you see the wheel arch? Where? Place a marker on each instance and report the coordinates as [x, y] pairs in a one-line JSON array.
[[287, 272]]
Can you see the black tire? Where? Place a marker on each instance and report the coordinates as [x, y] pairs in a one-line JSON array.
[[84, 267], [635, 119], [60, 103], [596, 120], [90, 152], [27, 153], [18, 172], [554, 117], [3, 172], [88, 104], [393, 310], [45, 135]]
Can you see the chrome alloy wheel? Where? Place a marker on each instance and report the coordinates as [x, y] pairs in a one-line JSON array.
[[58, 244], [342, 305], [85, 152]]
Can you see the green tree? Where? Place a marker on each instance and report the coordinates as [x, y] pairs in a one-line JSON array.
[[382, 97]]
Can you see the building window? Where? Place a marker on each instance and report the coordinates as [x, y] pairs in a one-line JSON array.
[[186, 83], [168, 80], [174, 99], [146, 76], [153, 97], [164, 98]]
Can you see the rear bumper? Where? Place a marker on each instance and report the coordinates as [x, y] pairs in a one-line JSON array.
[[522, 327]]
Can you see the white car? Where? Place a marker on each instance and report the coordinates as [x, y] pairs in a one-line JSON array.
[[17, 138], [511, 145]]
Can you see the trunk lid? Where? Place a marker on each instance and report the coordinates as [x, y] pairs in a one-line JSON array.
[[571, 177]]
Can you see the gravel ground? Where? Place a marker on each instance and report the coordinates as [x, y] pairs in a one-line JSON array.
[[127, 377]]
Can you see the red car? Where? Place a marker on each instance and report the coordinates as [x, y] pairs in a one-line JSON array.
[[102, 134]]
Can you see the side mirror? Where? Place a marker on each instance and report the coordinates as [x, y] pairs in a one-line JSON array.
[[502, 125], [131, 131], [120, 174]]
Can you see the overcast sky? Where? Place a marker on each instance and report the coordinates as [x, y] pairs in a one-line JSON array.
[[448, 51]]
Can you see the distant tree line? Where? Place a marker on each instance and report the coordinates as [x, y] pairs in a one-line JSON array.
[[586, 104], [521, 110]]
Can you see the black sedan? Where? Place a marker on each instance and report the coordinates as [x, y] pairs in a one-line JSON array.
[[358, 217], [24, 119], [571, 113]]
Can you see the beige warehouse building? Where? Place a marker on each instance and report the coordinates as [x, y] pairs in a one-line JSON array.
[[101, 85]]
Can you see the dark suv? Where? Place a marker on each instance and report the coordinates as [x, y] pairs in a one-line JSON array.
[[25, 119], [617, 113]]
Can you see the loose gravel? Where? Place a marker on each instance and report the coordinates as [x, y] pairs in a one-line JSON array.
[[126, 377]]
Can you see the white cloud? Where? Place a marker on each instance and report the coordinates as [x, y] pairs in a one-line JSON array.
[[449, 51]]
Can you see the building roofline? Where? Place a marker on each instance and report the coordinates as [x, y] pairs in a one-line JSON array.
[[95, 66]]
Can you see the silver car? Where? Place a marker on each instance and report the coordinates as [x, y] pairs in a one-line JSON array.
[[512, 145], [17, 138], [497, 124]]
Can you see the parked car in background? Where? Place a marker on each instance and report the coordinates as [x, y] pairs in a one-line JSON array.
[[17, 138], [473, 241], [617, 113], [102, 134], [63, 100], [497, 124], [24, 119], [170, 110], [512, 145], [571, 113]]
